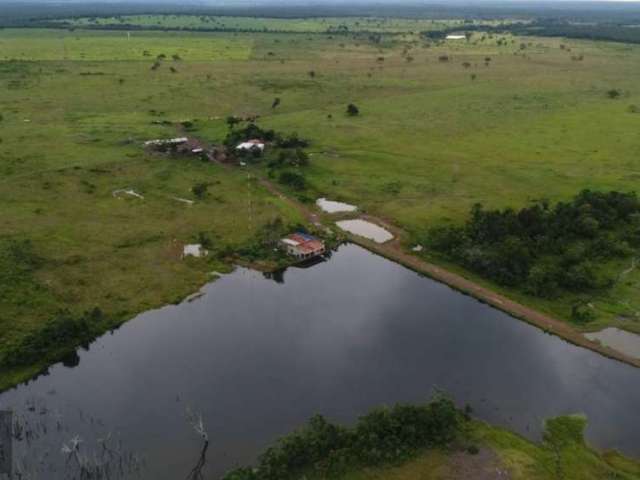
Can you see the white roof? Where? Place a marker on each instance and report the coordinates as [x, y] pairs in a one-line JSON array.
[[456, 37], [250, 145]]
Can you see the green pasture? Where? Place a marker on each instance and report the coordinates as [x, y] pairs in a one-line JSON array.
[[433, 138], [301, 25]]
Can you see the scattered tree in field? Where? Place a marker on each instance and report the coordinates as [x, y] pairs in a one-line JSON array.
[[632, 109], [473, 76], [176, 57], [352, 110], [443, 58], [276, 102], [614, 93], [173, 70], [155, 65], [312, 74], [466, 64], [200, 190]]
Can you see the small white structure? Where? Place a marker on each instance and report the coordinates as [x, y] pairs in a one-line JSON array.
[[302, 246], [251, 144], [417, 248], [167, 141], [456, 37], [194, 250], [331, 206]]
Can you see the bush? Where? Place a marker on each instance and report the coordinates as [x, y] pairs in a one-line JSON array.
[[200, 190], [293, 180], [352, 110]]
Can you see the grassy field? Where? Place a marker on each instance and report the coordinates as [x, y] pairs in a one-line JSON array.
[[433, 138], [302, 25]]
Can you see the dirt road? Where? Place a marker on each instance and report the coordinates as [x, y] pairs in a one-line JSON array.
[[393, 251]]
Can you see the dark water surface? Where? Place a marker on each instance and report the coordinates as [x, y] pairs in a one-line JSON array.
[[257, 358]]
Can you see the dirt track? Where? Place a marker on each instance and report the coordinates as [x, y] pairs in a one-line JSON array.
[[393, 251]]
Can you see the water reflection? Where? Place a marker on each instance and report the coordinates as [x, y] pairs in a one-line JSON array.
[[256, 358]]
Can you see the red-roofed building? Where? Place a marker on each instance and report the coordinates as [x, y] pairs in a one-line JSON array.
[[302, 246]]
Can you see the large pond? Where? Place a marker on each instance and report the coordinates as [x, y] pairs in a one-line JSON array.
[[257, 356]]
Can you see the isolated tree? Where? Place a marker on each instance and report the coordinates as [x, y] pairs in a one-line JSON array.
[[276, 102], [312, 74], [200, 190], [614, 93], [352, 110]]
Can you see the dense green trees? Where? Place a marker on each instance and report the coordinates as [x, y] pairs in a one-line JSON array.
[[386, 435], [544, 249]]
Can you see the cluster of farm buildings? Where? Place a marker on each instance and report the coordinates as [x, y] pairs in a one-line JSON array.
[[300, 246]]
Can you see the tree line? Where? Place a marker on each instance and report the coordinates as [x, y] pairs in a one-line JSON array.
[[551, 28], [546, 249]]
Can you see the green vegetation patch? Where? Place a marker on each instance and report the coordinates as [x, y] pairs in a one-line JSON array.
[[545, 250]]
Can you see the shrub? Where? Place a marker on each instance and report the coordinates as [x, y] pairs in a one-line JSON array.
[[293, 180], [200, 190], [613, 93], [352, 110]]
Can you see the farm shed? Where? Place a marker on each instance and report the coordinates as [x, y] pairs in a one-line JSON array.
[[302, 246]]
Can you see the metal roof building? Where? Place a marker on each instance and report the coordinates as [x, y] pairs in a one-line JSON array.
[[302, 245]]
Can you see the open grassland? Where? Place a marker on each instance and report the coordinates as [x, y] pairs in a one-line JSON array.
[[302, 25], [433, 138]]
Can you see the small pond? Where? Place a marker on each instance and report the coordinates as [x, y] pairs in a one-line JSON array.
[[366, 229], [621, 340]]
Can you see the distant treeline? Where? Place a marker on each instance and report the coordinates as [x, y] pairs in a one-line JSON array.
[[544, 249], [553, 28], [27, 14]]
